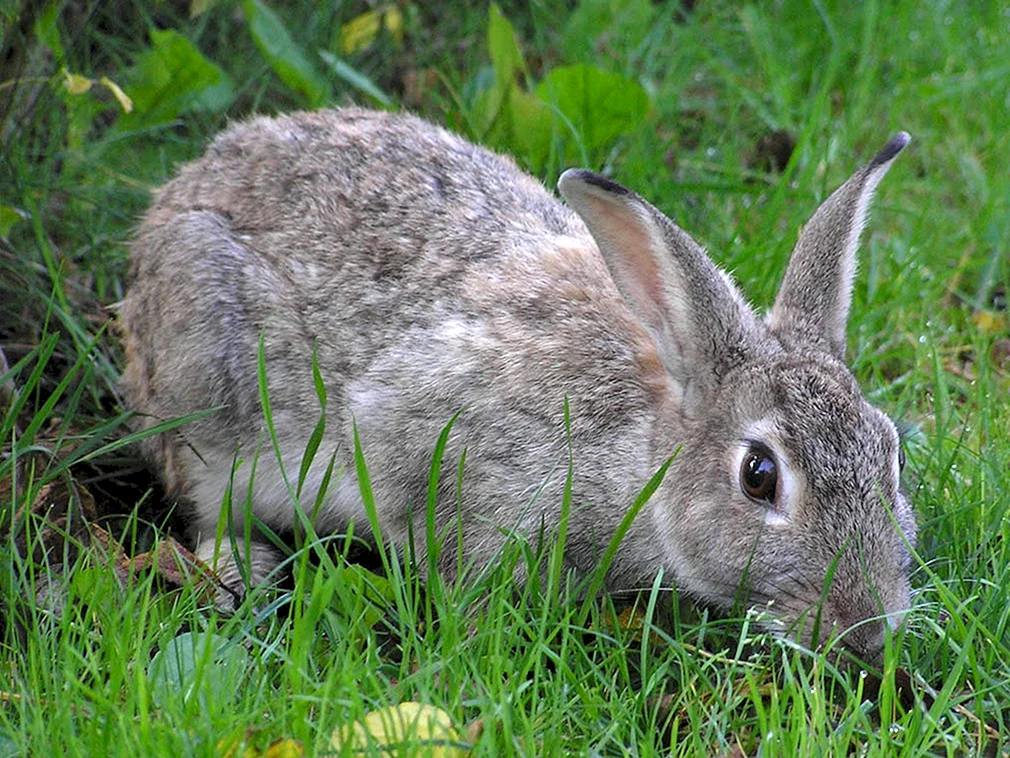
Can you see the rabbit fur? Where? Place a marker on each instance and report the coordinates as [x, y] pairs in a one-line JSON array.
[[430, 276]]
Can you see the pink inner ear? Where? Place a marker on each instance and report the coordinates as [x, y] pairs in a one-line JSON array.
[[627, 242]]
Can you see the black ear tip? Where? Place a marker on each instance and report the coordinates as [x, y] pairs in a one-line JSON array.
[[894, 146], [593, 179]]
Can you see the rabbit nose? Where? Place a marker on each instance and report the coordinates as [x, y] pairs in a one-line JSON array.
[[869, 637], [866, 640], [864, 632]]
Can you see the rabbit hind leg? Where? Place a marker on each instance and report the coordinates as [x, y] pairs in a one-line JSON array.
[[239, 566]]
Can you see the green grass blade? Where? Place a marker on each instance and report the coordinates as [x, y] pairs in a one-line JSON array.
[[312, 446], [432, 539], [599, 575], [284, 55], [356, 79]]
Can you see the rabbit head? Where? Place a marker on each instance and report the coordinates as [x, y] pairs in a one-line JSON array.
[[785, 491]]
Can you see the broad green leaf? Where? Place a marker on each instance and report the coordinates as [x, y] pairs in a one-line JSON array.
[[597, 105], [486, 96], [367, 593], [197, 664], [8, 747], [94, 584], [503, 47], [284, 55], [513, 120], [47, 31], [173, 77], [356, 79], [533, 128], [510, 116]]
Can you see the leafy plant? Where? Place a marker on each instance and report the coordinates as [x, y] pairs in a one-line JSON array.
[[572, 115], [285, 57], [173, 78], [202, 668]]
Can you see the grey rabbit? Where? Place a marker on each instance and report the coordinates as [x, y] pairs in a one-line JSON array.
[[429, 276]]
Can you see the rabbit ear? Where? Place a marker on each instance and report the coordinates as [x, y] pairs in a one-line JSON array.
[[701, 324], [813, 302]]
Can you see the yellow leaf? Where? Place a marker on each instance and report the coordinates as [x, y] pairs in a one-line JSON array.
[[631, 619], [990, 321], [285, 749], [359, 33], [407, 724], [393, 18], [121, 97], [76, 84], [236, 746]]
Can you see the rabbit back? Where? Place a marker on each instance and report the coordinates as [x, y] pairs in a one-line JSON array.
[[426, 276]]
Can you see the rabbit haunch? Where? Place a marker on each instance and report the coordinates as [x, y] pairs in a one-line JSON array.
[[429, 276]]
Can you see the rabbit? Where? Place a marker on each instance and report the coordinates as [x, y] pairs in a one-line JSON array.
[[428, 276]]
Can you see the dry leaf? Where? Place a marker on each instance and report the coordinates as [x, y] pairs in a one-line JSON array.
[[62, 509], [474, 730], [735, 752], [121, 97], [172, 562], [631, 619], [1001, 353], [236, 746], [199, 7], [243, 745], [990, 321], [417, 83]]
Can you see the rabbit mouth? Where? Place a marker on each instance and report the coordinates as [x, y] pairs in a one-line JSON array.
[[825, 620], [820, 628]]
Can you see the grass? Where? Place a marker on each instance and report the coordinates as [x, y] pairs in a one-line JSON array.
[[730, 89]]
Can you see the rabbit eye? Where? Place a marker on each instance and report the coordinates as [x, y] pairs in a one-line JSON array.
[[758, 474]]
